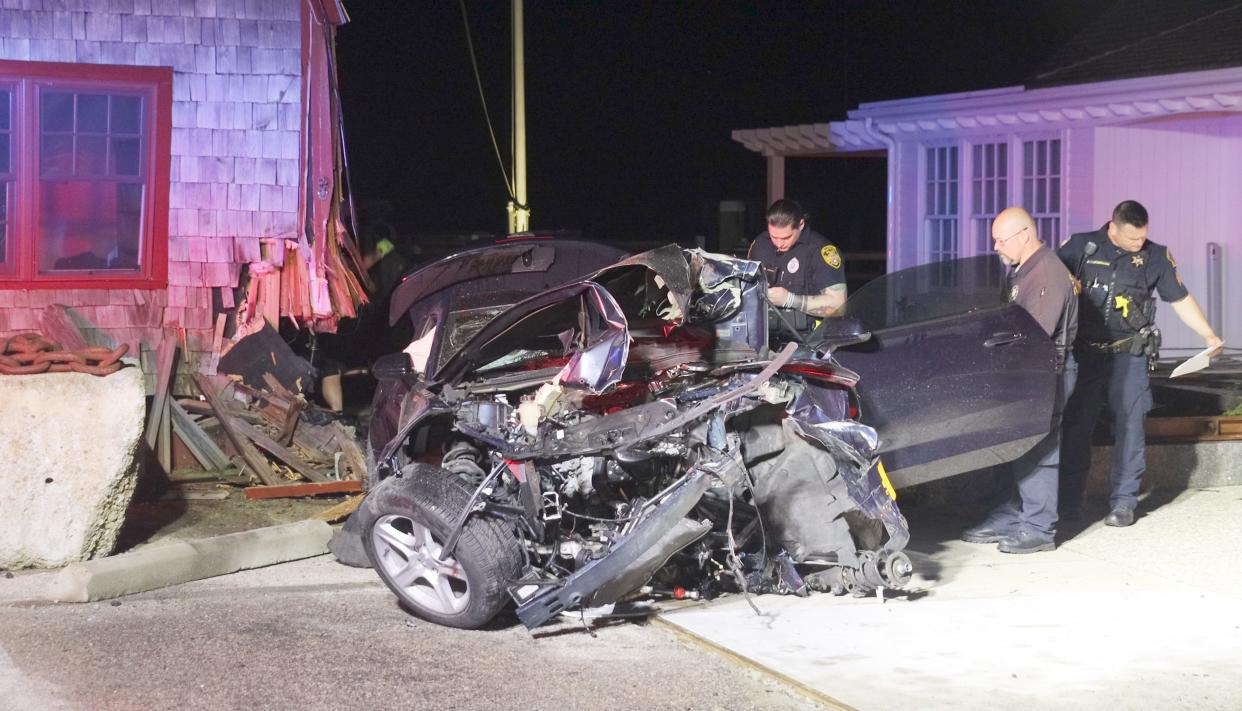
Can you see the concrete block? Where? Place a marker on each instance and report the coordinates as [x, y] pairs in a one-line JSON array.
[[68, 462]]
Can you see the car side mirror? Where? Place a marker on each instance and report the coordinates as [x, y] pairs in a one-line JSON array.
[[838, 331], [392, 366]]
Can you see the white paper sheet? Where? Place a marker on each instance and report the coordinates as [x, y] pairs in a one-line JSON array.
[[1194, 363]]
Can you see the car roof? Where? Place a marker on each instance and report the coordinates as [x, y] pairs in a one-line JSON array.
[[508, 269]]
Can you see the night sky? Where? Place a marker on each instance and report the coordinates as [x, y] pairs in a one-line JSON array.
[[630, 105]]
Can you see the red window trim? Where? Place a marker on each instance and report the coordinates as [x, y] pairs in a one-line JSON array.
[[22, 215]]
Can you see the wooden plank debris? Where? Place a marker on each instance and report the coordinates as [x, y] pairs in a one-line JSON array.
[[255, 461], [340, 511], [351, 452], [282, 453], [200, 444], [1193, 429], [166, 354], [348, 486]]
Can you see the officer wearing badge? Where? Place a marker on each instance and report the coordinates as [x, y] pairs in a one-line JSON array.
[[1117, 269], [806, 275]]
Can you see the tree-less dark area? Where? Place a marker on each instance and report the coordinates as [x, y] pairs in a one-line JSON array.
[[630, 105]]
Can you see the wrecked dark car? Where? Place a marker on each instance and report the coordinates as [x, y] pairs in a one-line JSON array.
[[650, 429]]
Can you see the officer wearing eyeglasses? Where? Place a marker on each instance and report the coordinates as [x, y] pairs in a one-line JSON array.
[[1040, 284], [806, 274], [1118, 268]]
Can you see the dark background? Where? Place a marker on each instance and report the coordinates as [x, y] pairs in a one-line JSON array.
[[630, 105]]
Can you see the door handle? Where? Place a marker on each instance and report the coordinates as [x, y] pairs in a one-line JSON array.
[[1002, 339]]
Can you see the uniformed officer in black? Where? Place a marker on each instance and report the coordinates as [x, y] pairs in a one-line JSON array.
[[1039, 283], [1118, 268], [806, 275]]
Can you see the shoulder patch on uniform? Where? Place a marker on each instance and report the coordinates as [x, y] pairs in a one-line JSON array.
[[831, 256], [1169, 253], [1075, 285]]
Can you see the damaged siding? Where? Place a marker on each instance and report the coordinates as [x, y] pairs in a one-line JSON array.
[[234, 144]]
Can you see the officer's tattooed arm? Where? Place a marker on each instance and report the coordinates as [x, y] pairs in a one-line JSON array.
[[826, 303]]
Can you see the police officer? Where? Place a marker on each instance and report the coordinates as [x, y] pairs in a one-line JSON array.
[[1118, 268], [1039, 283], [806, 276]]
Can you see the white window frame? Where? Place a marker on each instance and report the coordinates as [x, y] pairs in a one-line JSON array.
[[1050, 224], [977, 225], [926, 216]]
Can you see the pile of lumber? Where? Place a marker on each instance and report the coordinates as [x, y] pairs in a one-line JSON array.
[[263, 432], [271, 435]]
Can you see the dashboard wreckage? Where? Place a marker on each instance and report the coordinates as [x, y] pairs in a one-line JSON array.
[[645, 430]]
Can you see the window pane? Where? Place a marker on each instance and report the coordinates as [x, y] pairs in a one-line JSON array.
[[1028, 158], [1054, 195], [1041, 196], [1041, 158], [953, 163], [1054, 147], [126, 111], [5, 163], [92, 113], [1028, 192], [5, 121], [976, 196], [57, 111], [56, 156], [1002, 162], [125, 156], [92, 156], [89, 225]]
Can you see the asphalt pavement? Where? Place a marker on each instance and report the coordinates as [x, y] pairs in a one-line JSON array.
[[314, 634]]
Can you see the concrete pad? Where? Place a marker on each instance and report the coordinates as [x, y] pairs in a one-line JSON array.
[[1135, 618], [176, 562]]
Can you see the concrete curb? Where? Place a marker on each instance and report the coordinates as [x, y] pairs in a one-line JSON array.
[[182, 561]]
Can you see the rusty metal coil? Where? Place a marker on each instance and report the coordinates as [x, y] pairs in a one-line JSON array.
[[30, 353]]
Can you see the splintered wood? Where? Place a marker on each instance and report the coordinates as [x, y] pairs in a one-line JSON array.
[[268, 430]]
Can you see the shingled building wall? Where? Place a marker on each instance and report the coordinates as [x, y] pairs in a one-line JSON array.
[[234, 143]]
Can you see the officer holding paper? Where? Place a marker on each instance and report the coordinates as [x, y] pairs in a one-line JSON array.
[[1118, 269]]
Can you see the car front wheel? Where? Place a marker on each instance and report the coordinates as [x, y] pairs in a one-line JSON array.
[[410, 519]]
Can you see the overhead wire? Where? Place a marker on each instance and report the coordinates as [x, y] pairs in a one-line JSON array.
[[474, 64]]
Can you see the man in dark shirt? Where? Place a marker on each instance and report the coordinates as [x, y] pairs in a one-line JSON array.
[[1118, 268], [1039, 283], [805, 272]]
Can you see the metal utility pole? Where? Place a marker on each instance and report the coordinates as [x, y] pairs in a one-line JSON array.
[[519, 211]]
